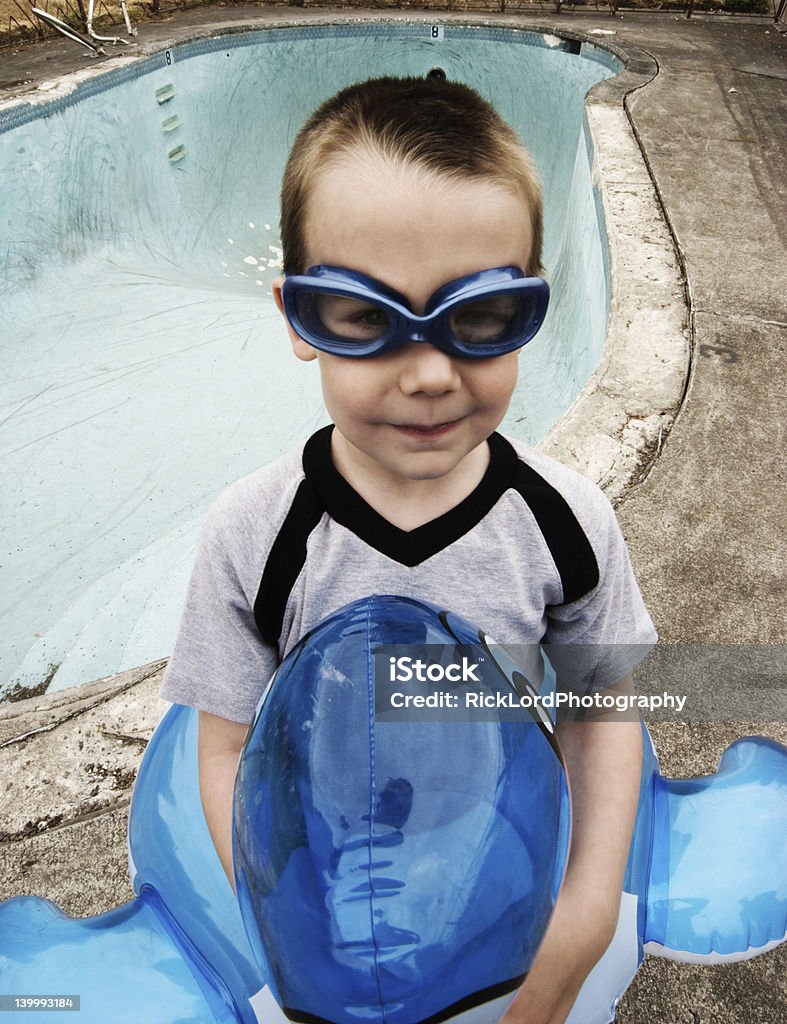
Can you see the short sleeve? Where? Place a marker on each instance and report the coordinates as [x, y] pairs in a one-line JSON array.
[[220, 663], [601, 637]]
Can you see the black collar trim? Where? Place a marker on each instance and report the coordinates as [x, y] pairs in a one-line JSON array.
[[409, 547]]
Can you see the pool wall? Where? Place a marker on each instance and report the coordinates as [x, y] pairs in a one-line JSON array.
[[177, 212]]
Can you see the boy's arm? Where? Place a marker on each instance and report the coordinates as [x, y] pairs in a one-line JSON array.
[[219, 749], [604, 760]]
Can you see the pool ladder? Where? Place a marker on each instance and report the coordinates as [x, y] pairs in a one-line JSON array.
[[92, 38]]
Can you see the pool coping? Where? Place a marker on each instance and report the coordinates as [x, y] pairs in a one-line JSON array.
[[613, 432]]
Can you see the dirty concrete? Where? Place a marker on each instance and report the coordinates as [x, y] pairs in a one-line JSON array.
[[615, 428], [67, 764], [706, 525]]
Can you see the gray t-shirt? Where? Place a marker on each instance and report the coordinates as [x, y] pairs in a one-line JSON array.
[[534, 554]]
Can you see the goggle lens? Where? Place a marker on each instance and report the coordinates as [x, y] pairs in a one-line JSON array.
[[341, 317], [486, 321]]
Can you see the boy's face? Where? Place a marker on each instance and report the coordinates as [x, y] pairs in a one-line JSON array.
[[414, 413]]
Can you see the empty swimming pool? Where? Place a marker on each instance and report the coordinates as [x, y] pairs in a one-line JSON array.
[[145, 366]]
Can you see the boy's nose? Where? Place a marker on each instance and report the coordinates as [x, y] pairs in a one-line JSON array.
[[428, 370]]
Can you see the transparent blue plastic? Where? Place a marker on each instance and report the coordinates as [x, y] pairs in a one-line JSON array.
[[125, 966], [718, 874], [393, 870]]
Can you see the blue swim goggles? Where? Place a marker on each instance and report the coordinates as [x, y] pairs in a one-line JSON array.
[[347, 313]]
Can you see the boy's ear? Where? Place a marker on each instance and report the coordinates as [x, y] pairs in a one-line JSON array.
[[302, 349]]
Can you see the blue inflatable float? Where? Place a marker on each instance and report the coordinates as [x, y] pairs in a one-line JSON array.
[[398, 870]]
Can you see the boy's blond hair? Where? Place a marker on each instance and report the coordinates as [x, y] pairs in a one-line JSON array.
[[440, 126]]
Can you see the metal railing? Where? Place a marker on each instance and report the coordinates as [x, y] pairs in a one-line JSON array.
[[92, 38]]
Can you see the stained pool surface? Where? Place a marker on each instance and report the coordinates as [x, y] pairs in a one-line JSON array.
[[144, 364]]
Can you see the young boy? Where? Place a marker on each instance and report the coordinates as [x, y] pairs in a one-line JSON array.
[[395, 191]]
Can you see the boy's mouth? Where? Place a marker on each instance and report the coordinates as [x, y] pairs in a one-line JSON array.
[[423, 430]]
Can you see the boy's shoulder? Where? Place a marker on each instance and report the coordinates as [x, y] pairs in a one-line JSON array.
[[257, 502], [574, 515], [573, 486]]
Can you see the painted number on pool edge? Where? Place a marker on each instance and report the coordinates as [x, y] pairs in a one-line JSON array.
[[169, 57], [437, 32]]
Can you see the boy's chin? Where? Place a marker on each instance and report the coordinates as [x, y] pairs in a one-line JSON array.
[[429, 465], [413, 459]]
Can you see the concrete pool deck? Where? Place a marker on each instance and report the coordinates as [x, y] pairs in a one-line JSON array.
[[706, 524]]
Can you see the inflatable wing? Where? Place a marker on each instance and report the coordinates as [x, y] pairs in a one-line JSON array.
[[125, 966], [717, 886], [177, 953], [391, 868], [706, 880]]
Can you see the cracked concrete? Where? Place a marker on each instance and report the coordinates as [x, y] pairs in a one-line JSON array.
[[616, 426], [68, 763], [82, 759]]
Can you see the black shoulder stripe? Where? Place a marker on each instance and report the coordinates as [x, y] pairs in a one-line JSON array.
[[285, 561], [565, 538]]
